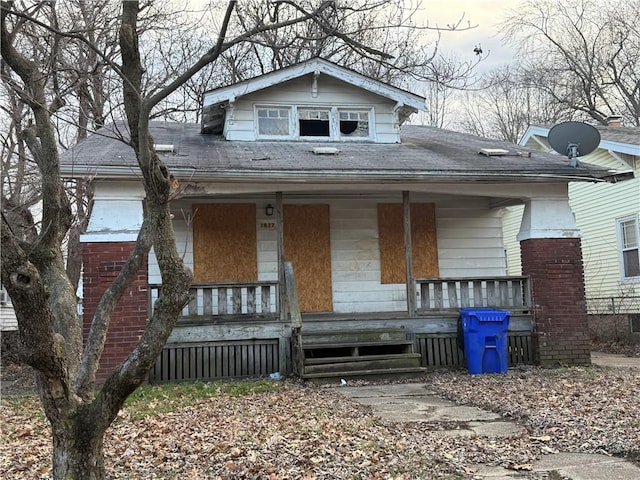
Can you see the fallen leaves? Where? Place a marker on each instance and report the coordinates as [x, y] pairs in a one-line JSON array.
[[299, 432]]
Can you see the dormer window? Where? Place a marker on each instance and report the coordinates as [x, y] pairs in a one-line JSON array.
[[273, 122], [354, 123], [317, 123], [314, 122]]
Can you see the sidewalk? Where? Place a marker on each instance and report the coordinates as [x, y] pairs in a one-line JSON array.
[[415, 403], [612, 360]]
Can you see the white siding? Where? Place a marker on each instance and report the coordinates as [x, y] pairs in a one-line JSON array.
[[8, 318], [596, 207], [511, 219], [469, 244], [331, 92]]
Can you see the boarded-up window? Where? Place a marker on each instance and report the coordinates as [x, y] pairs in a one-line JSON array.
[[391, 240], [224, 243]]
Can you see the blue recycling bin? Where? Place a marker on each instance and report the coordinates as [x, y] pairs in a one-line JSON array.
[[484, 332]]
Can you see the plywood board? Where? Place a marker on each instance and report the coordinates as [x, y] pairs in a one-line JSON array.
[[307, 245], [224, 243], [391, 242]]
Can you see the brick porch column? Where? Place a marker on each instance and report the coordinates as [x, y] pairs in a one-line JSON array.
[[551, 255], [102, 261]]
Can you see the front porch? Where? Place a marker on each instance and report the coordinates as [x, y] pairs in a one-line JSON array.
[[255, 329]]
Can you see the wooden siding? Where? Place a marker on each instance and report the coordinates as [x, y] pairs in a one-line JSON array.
[[331, 92], [468, 236]]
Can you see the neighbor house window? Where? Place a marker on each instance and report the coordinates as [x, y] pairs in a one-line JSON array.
[[628, 239], [354, 123], [274, 121], [314, 122]]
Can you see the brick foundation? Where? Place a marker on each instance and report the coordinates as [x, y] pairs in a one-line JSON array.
[[102, 263], [561, 332]]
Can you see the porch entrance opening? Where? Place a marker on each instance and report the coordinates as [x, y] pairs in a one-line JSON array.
[[307, 245]]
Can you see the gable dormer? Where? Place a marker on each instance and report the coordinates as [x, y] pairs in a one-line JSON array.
[[313, 101]]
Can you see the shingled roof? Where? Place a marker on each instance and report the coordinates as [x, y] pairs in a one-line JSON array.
[[426, 154]]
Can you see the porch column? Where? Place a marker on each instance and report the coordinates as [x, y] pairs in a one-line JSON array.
[[551, 255], [408, 255], [282, 301], [110, 238]]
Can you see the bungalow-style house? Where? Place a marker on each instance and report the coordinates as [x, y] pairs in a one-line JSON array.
[[327, 237], [608, 215]]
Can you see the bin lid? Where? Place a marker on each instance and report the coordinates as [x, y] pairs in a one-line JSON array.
[[486, 314]]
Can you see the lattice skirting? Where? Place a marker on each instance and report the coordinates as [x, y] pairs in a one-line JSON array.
[[214, 360], [442, 350]]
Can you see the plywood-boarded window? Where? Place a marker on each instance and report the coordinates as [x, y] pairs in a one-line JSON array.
[[424, 244], [224, 243]]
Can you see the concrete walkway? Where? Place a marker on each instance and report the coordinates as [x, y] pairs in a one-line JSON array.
[[612, 360], [415, 403]]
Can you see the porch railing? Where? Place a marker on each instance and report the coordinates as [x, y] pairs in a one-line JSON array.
[[242, 299], [437, 295]]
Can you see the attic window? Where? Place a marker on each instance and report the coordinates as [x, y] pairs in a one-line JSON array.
[[313, 122], [273, 121], [354, 123]]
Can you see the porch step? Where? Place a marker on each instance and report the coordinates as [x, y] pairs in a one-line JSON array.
[[365, 352], [358, 336], [342, 365], [367, 373]]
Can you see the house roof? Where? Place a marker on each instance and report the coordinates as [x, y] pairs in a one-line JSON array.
[[214, 100], [426, 154], [617, 139]]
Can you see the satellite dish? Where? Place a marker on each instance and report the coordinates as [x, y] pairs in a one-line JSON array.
[[574, 139]]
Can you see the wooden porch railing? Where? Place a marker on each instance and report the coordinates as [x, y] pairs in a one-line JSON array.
[[439, 295], [241, 299]]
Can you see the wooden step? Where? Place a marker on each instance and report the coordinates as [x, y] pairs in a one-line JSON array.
[[347, 343], [329, 360], [354, 336], [386, 372], [364, 364]]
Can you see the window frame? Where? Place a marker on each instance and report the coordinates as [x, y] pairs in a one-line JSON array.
[[334, 122], [261, 136], [622, 248]]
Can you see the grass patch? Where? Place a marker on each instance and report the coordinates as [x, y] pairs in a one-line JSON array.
[[158, 399]]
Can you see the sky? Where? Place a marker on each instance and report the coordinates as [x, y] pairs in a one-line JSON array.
[[484, 13]]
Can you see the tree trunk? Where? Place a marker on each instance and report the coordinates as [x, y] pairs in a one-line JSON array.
[[78, 449]]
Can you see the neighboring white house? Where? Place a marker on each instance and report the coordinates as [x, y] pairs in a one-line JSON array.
[[8, 320], [607, 214]]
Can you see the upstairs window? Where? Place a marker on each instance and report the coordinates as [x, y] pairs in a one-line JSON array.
[[629, 243], [317, 123], [314, 122], [274, 122], [354, 123]]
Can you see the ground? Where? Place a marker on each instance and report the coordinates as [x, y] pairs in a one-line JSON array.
[[284, 429]]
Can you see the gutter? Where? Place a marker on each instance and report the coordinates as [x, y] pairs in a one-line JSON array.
[[358, 176]]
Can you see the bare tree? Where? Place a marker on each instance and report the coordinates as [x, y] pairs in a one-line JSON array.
[[33, 269], [506, 103], [584, 54]]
